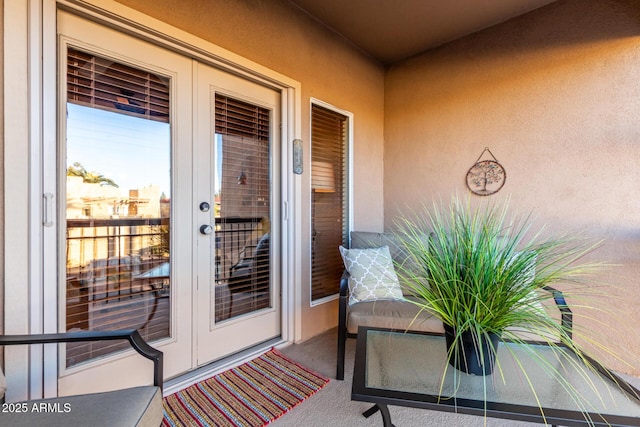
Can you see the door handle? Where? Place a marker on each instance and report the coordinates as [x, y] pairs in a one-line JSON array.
[[206, 229], [47, 221]]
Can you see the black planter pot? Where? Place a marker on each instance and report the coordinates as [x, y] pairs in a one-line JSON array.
[[467, 356]]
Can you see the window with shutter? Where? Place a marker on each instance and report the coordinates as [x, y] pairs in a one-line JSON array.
[[329, 206]]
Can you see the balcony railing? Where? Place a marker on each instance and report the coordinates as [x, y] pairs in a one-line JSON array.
[[118, 275]]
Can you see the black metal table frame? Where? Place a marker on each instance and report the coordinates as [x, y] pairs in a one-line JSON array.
[[383, 398]]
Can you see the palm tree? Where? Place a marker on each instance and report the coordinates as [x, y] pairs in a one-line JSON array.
[[89, 177]]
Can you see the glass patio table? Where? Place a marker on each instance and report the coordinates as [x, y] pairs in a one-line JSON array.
[[531, 382]]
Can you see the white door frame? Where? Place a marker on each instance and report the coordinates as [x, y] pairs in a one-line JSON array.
[[30, 134]]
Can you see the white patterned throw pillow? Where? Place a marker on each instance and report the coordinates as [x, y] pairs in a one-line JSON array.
[[372, 276]]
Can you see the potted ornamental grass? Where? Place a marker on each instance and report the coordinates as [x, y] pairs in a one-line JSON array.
[[488, 276], [491, 277]]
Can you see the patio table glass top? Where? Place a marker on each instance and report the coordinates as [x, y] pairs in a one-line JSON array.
[[526, 377]]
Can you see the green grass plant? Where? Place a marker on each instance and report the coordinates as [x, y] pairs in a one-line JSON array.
[[482, 270]]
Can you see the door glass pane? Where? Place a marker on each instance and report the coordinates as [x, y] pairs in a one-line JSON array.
[[118, 193], [242, 207]]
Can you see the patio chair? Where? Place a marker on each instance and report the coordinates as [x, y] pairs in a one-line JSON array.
[[134, 406], [252, 268], [398, 313]]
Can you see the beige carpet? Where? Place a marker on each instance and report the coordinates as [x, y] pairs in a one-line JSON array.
[[332, 406]]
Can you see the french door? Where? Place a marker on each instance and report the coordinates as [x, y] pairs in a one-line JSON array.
[[169, 171], [238, 300]]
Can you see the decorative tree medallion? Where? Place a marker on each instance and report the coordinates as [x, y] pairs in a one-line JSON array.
[[486, 177]]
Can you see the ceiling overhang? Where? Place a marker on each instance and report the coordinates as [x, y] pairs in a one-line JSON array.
[[393, 30]]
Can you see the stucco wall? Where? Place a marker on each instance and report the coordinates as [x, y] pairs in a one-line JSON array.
[[555, 95], [284, 38]]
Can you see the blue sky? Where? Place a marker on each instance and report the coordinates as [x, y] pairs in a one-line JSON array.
[[132, 151]]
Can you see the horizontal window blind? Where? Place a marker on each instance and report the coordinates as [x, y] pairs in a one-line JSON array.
[[329, 134], [243, 133], [240, 118], [117, 238], [129, 289], [103, 83]]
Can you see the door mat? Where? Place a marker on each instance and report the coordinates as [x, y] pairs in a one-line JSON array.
[[250, 395]]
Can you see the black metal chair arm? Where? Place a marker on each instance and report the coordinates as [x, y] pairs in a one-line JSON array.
[[131, 335], [342, 323], [344, 284], [565, 311], [558, 296]]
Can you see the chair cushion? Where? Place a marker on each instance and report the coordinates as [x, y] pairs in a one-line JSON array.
[[371, 274], [391, 314], [3, 384], [404, 264], [368, 239], [400, 315], [137, 406]]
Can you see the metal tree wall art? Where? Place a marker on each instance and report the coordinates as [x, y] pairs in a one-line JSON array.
[[486, 177]]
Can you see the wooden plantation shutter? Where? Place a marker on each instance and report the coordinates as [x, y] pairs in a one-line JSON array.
[[329, 135], [99, 82]]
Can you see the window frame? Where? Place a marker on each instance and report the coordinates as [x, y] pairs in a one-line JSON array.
[[348, 185]]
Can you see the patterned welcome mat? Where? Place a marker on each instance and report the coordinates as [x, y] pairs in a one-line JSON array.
[[250, 395]]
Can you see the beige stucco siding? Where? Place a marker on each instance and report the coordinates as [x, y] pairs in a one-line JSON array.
[[555, 95]]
